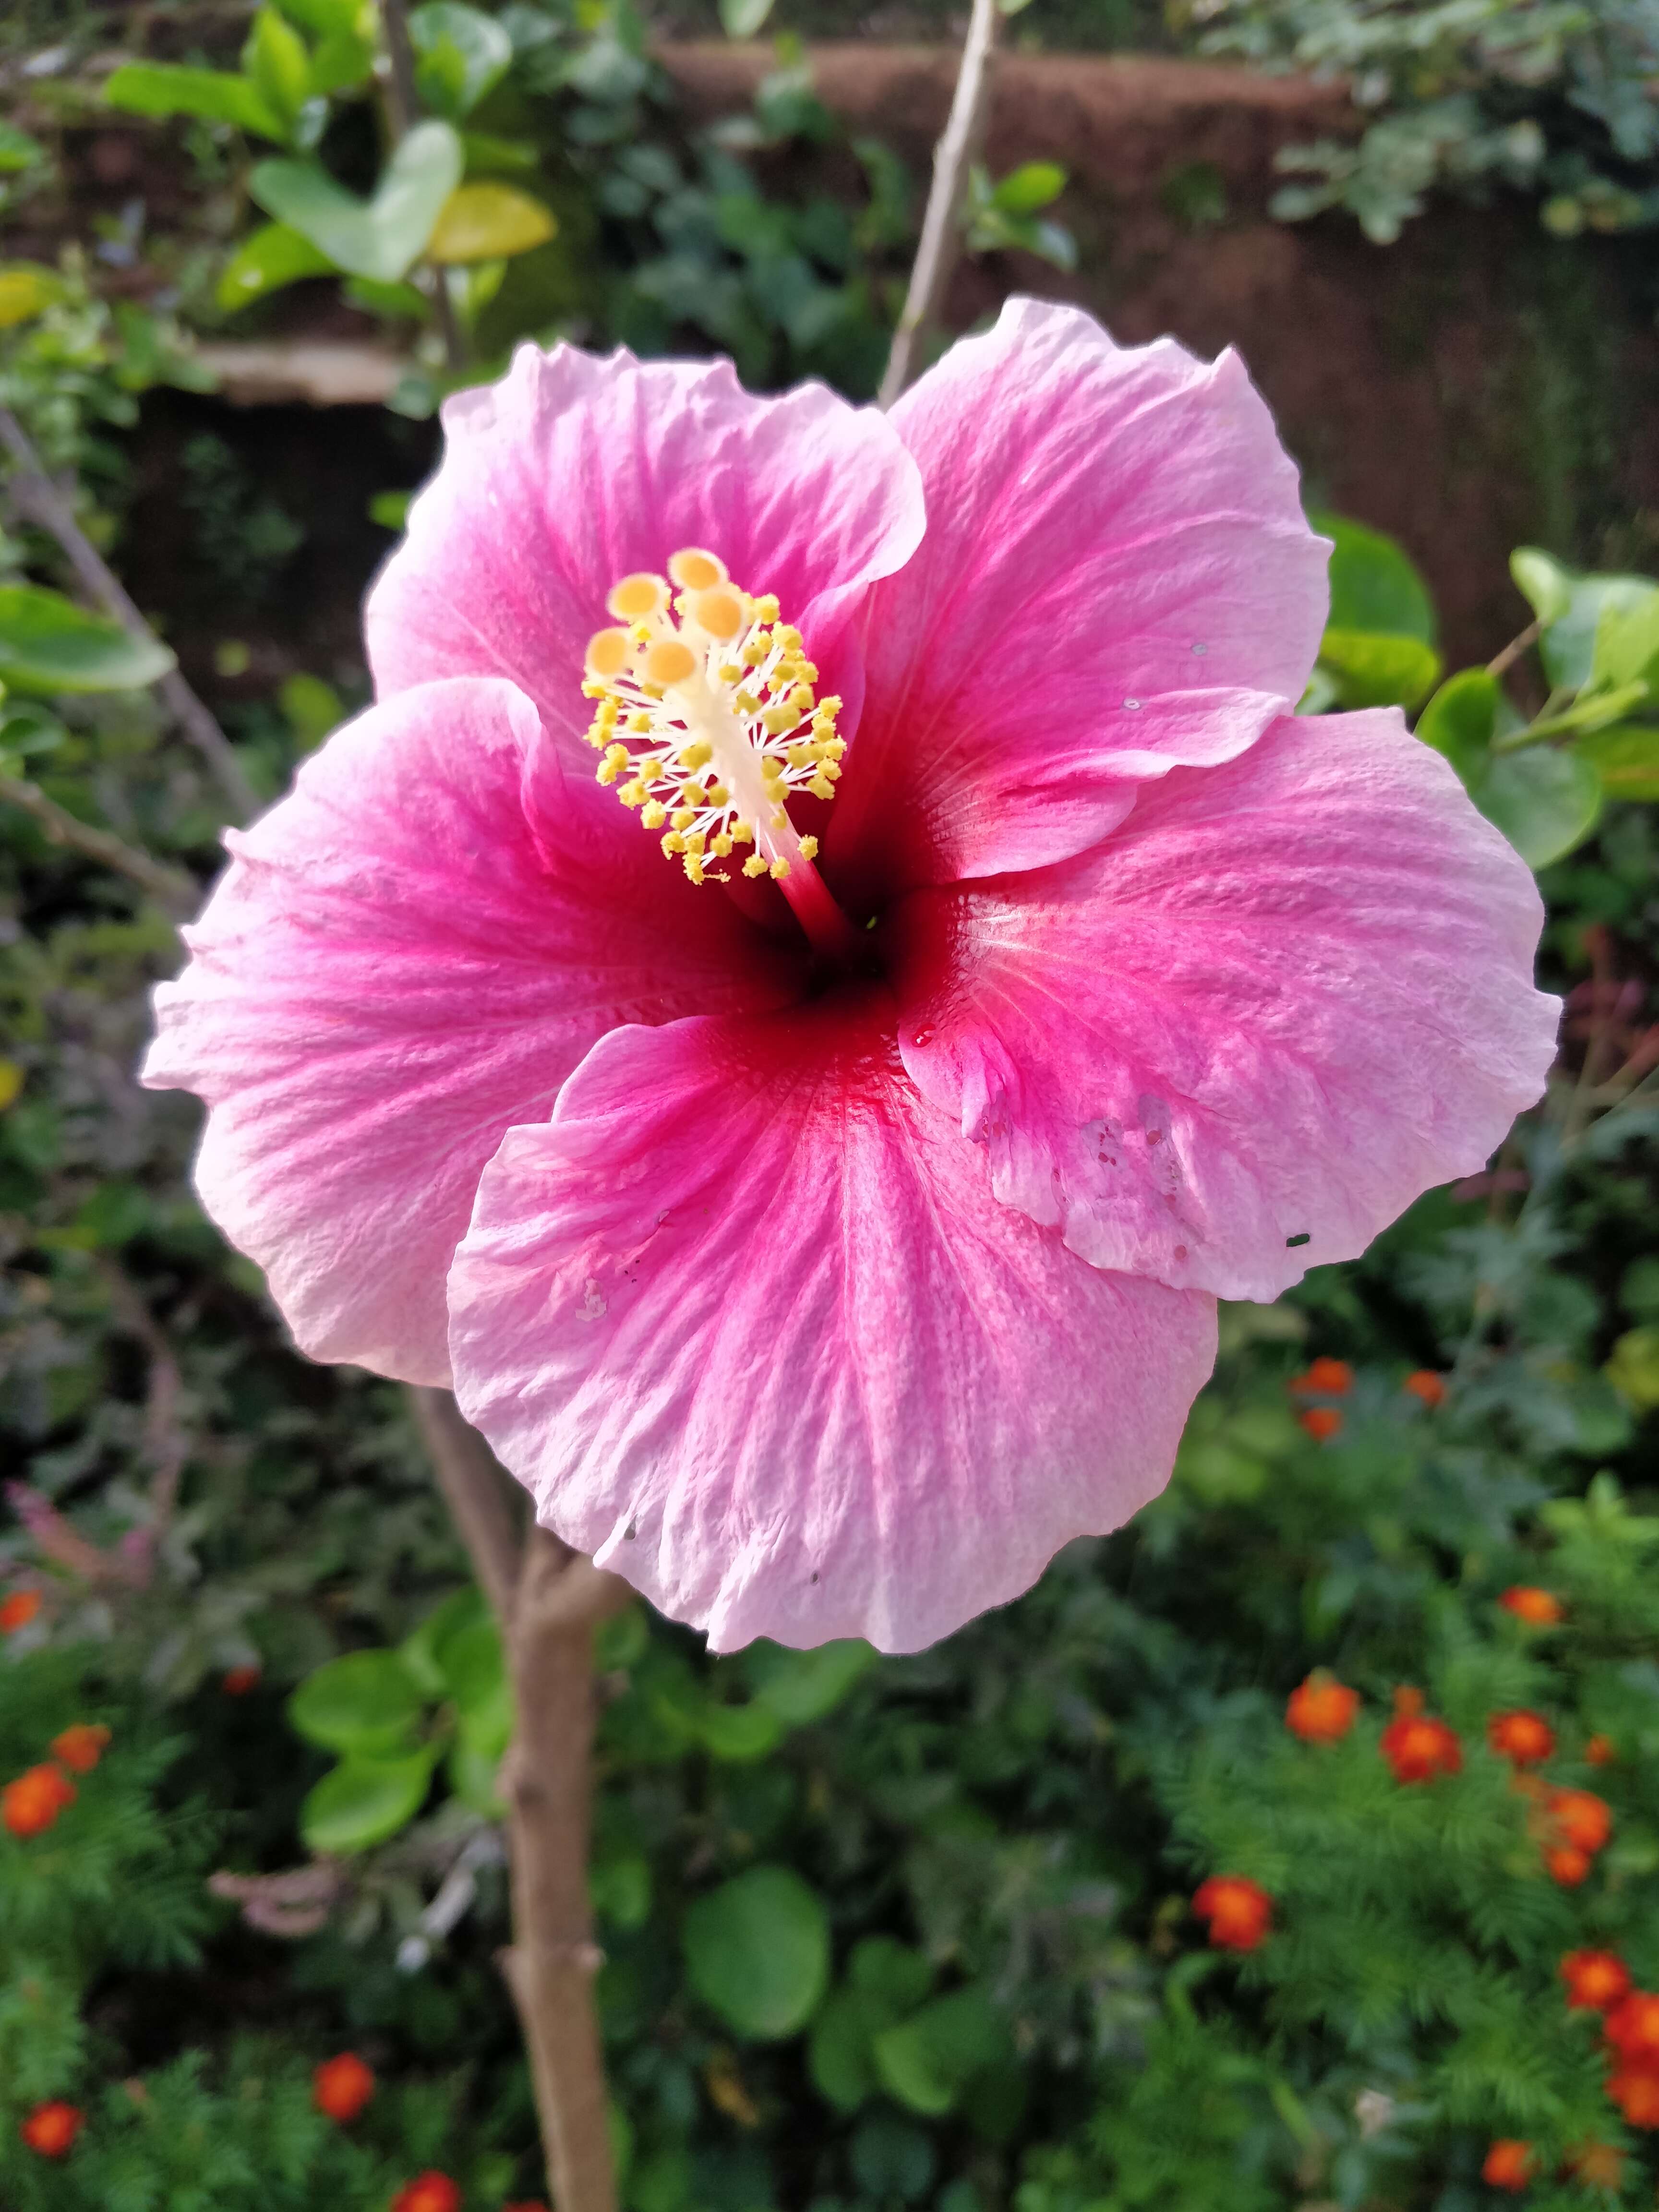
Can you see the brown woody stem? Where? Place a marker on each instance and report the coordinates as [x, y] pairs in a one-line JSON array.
[[549, 1601]]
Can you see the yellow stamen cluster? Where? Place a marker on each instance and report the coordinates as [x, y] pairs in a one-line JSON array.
[[707, 719]]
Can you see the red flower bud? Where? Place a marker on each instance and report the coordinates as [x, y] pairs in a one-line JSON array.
[[51, 2130], [341, 2087], [1509, 2165], [1524, 1738], [1596, 1979], [1239, 1911], [1539, 1609], [1419, 1749], [1322, 1709]]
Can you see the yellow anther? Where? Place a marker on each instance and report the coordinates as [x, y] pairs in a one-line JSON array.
[[616, 760], [788, 637], [809, 848], [746, 703], [694, 867], [636, 597], [776, 720], [819, 789], [766, 608], [669, 662], [722, 844], [633, 793], [684, 817], [755, 651], [673, 842], [697, 753], [780, 867], [694, 569], [800, 756], [655, 814], [638, 722], [639, 632], [607, 652], [771, 767], [754, 865], [832, 770], [697, 843], [719, 795], [731, 671], [719, 612], [809, 671], [801, 699], [743, 831]]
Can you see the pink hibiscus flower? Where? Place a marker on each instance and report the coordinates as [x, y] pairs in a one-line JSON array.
[[824, 1215]]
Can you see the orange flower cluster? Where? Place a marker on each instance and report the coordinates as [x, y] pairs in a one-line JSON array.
[[428, 2193], [1595, 1981], [1427, 1385], [1539, 1609], [1322, 1378], [1574, 1825], [341, 2087], [1240, 1912], [1631, 2031], [1524, 1739], [239, 1680], [1509, 2165], [31, 1803], [1322, 1709], [50, 2130], [1417, 1747], [17, 1609]]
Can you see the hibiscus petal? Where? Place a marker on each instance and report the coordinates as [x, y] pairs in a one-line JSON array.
[[575, 470], [746, 1320], [1238, 1037], [1117, 578], [408, 954]]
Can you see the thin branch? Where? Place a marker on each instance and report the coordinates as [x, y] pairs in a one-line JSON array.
[[957, 150], [169, 887], [402, 100], [35, 496], [1501, 663], [167, 1445], [476, 1492]]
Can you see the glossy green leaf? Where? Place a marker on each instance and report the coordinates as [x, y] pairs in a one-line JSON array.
[[380, 237], [48, 644], [1567, 649], [803, 1687], [268, 259], [213, 95], [927, 2062], [1625, 757], [420, 1650], [364, 1802], [17, 149], [883, 1967], [460, 55], [758, 1952], [1545, 799], [311, 708], [1461, 720], [367, 1702], [474, 1763], [1034, 185], [1375, 586], [275, 58], [1633, 1368], [1545, 585], [488, 223], [621, 1889], [476, 1668], [1626, 649], [400, 302], [1372, 668]]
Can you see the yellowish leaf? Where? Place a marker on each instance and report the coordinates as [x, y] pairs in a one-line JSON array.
[[488, 223], [24, 291]]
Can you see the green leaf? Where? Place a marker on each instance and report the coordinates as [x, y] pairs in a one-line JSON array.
[[27, 289], [738, 1734], [332, 19], [269, 258], [622, 1641], [1626, 649], [48, 644], [802, 1686], [758, 1952], [368, 1702], [1633, 1368], [1544, 799], [396, 302], [621, 1889], [275, 58], [485, 152], [488, 223], [313, 709], [838, 2056], [1541, 580], [474, 1763], [162, 89], [420, 1650], [1567, 649], [363, 1802], [1461, 718], [1371, 668], [17, 149], [1035, 185], [743, 19], [1374, 584], [1625, 757], [883, 1967], [927, 2062], [476, 1668], [380, 237], [390, 509], [460, 55]]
